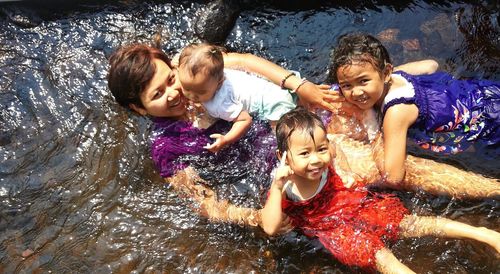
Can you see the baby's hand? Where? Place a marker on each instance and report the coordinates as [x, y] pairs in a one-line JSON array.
[[218, 144]]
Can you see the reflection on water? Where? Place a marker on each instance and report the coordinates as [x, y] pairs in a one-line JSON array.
[[79, 193]]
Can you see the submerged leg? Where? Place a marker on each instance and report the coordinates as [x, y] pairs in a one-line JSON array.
[[417, 226], [388, 263], [421, 174], [184, 182], [438, 178]]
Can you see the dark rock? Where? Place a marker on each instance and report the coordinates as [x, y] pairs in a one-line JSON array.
[[217, 21], [22, 16]]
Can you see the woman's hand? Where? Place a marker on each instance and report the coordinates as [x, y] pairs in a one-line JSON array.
[[314, 96]]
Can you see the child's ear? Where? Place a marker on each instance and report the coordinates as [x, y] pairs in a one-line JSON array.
[[278, 154], [137, 109], [387, 72]]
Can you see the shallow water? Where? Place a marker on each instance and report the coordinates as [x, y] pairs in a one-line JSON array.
[[79, 193]]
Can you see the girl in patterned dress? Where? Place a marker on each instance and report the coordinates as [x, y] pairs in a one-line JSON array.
[[437, 111]]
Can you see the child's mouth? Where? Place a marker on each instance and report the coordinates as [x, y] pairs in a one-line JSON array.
[[315, 171], [362, 99], [178, 102]]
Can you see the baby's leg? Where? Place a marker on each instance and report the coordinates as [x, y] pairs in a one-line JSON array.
[[416, 226], [388, 263]]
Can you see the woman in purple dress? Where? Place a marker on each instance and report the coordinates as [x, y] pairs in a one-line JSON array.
[[142, 78]]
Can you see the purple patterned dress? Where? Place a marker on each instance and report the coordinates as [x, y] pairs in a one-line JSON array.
[[452, 114], [246, 165]]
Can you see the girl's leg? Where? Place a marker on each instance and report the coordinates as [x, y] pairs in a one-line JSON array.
[[416, 226], [421, 174], [388, 263], [440, 178]]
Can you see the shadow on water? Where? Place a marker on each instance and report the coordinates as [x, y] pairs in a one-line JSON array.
[[78, 191]]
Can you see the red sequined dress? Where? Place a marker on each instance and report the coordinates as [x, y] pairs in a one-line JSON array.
[[353, 224]]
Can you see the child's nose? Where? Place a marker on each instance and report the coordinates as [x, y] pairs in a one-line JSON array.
[[314, 158], [357, 92], [172, 94]]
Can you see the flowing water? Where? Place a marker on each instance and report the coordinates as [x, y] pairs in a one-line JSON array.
[[79, 193]]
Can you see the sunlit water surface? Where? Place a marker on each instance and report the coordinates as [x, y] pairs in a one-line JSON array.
[[79, 193]]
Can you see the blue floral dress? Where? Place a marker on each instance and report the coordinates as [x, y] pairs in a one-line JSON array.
[[452, 114]]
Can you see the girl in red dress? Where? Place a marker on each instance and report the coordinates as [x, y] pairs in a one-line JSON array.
[[353, 224]]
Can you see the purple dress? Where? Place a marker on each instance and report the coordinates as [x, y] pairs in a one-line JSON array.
[[246, 165], [452, 114]]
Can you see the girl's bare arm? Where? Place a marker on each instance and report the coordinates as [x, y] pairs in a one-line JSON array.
[[427, 66]]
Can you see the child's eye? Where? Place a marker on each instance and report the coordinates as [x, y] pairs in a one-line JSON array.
[[364, 81], [304, 153], [345, 87], [158, 94], [323, 149], [171, 80]]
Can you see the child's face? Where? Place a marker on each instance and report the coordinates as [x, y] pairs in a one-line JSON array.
[[362, 84], [307, 158], [162, 97], [200, 88]]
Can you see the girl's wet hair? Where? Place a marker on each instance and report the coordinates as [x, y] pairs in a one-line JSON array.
[[131, 69], [299, 119], [204, 58], [358, 47]]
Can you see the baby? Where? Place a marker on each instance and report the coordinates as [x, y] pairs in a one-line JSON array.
[[228, 94]]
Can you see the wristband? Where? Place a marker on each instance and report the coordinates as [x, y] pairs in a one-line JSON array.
[[304, 80], [282, 85]]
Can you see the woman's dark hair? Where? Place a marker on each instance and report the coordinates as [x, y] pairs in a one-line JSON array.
[[131, 69], [299, 119], [358, 47]]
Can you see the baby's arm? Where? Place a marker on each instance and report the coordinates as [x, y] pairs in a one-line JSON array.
[[311, 95], [419, 67], [241, 124]]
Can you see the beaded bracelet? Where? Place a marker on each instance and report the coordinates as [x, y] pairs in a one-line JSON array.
[[304, 80], [284, 80]]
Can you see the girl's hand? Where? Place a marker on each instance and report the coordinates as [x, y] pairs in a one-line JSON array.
[[282, 173], [218, 144], [286, 225]]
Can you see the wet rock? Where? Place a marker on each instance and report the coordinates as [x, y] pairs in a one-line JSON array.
[[442, 25], [22, 17], [217, 21], [388, 36], [5, 138], [433, 44], [411, 44], [27, 253]]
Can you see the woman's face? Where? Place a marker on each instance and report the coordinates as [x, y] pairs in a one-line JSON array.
[[162, 97]]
